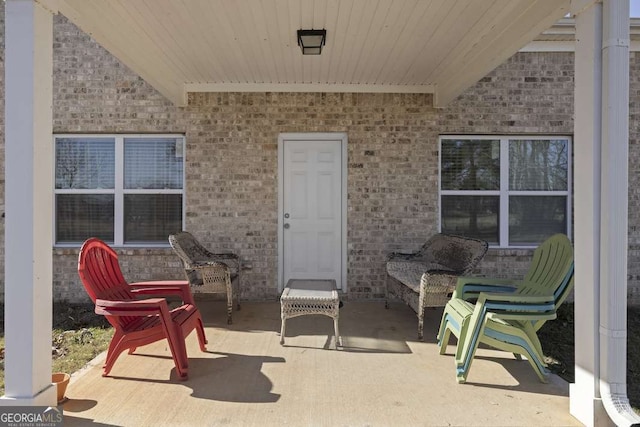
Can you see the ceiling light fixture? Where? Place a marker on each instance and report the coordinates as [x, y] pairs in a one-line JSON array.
[[311, 41]]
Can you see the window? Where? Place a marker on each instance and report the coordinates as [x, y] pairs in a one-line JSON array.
[[124, 189], [509, 191]]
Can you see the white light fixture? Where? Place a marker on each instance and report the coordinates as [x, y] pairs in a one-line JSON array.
[[311, 41]]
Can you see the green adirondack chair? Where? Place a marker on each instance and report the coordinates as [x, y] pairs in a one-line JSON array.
[[507, 314]]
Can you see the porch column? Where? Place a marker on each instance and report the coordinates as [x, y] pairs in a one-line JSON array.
[[598, 396], [28, 204], [585, 403]]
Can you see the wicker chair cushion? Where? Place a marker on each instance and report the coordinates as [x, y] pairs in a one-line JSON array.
[[409, 273]]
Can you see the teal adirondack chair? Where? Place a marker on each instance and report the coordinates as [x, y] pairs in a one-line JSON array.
[[507, 314]]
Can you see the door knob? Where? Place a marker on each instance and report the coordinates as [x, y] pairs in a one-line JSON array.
[[287, 225]]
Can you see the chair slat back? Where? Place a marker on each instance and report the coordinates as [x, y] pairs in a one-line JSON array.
[[101, 276], [551, 270]]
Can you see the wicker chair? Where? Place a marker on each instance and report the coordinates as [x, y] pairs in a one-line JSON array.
[[207, 271], [430, 274]]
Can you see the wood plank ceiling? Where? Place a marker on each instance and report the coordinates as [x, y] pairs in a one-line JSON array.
[[421, 46]]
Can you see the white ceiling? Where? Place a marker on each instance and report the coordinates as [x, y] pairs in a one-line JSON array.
[[420, 46]]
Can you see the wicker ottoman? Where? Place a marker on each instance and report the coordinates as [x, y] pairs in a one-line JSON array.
[[303, 297]]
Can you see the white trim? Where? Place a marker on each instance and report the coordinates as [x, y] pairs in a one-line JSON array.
[[564, 46], [308, 87], [119, 191], [561, 37], [28, 262], [118, 199], [503, 192], [503, 214], [312, 136], [549, 46]]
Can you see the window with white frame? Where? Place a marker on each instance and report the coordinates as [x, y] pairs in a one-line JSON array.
[[512, 191], [123, 189]]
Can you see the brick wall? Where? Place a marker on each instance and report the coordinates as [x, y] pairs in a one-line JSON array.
[[633, 267], [231, 157]]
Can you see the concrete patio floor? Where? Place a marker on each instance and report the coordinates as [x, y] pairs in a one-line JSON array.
[[383, 376]]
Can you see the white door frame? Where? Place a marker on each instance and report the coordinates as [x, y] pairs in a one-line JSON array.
[[311, 136]]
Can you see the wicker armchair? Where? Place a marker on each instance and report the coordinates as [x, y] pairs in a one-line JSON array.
[[207, 271], [430, 274]]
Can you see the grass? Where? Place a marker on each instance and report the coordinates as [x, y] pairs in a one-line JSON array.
[[78, 336]]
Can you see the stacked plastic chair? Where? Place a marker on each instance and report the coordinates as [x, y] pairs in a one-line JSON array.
[[507, 314]]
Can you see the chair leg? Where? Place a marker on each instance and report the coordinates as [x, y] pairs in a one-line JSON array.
[[386, 293], [468, 343], [519, 344], [444, 342], [337, 332], [113, 352], [238, 288], [443, 325], [282, 329], [229, 299], [421, 301], [202, 338], [178, 349], [444, 333]]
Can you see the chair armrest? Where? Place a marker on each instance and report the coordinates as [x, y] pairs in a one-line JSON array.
[[401, 255], [230, 260], [201, 264], [145, 307], [225, 255], [470, 287], [213, 273], [413, 256], [438, 281], [436, 287], [211, 257], [164, 287], [520, 307]]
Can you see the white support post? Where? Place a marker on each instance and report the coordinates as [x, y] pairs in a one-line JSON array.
[[28, 204], [598, 397], [585, 403]]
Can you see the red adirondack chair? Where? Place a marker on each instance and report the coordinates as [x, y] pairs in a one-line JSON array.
[[136, 321]]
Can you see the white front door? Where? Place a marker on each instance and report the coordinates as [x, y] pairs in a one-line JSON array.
[[311, 207]]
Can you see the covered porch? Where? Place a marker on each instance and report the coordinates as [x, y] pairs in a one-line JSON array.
[[464, 42], [382, 376]]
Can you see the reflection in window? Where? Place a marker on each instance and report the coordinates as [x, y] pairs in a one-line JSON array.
[[470, 165], [88, 163], [476, 216], [505, 190], [152, 163], [79, 216], [124, 190], [147, 216], [538, 164], [534, 218]]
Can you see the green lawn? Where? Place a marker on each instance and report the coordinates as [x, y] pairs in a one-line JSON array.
[[78, 336], [70, 350]]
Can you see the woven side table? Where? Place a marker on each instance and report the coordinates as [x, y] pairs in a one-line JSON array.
[[304, 297]]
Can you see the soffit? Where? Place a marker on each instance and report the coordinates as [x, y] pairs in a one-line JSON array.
[[416, 46]]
